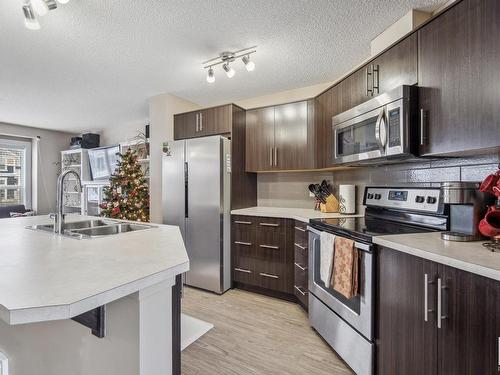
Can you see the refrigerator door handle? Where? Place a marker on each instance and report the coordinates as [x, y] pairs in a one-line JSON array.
[[186, 190]]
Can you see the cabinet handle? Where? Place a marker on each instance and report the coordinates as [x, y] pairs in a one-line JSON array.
[[440, 315], [276, 156], [369, 92], [271, 156], [498, 355], [299, 266], [243, 243], [423, 135], [268, 275], [375, 69], [269, 247], [197, 122], [242, 270], [426, 297], [269, 225], [201, 121], [300, 246], [301, 229], [298, 289], [242, 222]]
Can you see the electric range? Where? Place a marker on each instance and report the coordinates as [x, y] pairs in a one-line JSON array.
[[348, 324]]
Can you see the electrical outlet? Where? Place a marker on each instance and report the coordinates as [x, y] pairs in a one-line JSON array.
[[4, 364]]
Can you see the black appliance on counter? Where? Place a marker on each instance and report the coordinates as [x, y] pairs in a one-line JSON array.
[[348, 324]]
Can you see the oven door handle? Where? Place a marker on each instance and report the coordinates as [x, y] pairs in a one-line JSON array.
[[380, 130], [358, 245]]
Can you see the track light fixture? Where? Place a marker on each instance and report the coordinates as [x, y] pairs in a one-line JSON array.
[[229, 71], [210, 75], [225, 58], [40, 7], [30, 20]]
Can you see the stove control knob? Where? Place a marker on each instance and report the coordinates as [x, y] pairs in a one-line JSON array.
[[369, 196], [419, 199], [378, 196], [431, 200]]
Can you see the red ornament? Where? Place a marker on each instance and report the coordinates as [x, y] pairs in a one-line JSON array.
[[115, 211]]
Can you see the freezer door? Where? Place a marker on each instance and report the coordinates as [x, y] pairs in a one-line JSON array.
[[174, 187], [204, 241]]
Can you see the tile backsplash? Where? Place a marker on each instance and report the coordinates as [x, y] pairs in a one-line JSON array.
[[290, 189]]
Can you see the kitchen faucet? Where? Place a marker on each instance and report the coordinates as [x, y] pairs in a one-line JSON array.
[[59, 215]]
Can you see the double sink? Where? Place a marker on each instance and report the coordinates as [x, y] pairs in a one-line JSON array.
[[92, 228]]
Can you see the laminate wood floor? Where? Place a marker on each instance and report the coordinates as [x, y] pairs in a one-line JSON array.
[[255, 335]]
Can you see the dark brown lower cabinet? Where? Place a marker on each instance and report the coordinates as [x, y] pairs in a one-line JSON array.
[[301, 260], [262, 253], [410, 337]]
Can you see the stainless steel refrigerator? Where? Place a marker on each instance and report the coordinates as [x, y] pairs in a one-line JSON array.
[[196, 191]]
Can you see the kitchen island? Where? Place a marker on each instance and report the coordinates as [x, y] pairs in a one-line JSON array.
[[47, 279]]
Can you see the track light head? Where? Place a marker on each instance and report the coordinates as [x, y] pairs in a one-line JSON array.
[[210, 75], [30, 20], [229, 71], [250, 65]]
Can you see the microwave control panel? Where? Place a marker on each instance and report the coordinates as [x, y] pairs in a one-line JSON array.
[[415, 199]]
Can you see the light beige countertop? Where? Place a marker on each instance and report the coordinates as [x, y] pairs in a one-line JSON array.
[[44, 276], [467, 256], [300, 214]]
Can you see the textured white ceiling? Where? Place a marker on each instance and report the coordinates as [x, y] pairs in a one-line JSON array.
[[94, 63]]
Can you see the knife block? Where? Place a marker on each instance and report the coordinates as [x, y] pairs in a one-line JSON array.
[[331, 205]]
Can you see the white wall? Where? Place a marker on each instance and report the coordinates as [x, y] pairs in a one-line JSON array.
[[47, 152], [161, 118], [121, 133]]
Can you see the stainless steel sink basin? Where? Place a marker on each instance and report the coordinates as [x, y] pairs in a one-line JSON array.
[[110, 229], [75, 225], [92, 228]]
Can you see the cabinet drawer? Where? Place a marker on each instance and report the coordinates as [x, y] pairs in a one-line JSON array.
[[271, 232], [243, 229], [300, 283], [301, 254], [244, 273]]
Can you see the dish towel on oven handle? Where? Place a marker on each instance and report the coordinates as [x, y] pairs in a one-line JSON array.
[[345, 274], [326, 257]]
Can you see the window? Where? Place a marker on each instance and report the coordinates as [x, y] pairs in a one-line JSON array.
[[15, 171]]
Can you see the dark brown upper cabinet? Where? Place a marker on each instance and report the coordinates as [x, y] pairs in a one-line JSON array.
[[395, 67], [412, 339], [326, 105], [281, 137], [459, 71], [210, 121]]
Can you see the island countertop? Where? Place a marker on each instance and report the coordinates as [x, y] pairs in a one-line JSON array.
[[50, 277]]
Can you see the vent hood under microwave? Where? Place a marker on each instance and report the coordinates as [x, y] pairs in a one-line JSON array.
[[378, 131]]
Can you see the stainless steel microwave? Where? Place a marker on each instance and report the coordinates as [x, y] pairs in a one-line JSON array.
[[382, 129]]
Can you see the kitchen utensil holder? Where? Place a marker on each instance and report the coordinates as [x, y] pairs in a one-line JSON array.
[[331, 205]]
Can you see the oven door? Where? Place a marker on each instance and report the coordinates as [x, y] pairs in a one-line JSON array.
[[358, 311], [362, 137]]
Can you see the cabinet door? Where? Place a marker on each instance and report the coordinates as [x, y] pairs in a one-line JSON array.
[[243, 249], [459, 70], [290, 136], [215, 121], [469, 335], [353, 90], [326, 105], [405, 342], [259, 139], [397, 66], [185, 125]]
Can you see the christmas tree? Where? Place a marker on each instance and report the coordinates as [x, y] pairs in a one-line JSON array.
[[127, 197]]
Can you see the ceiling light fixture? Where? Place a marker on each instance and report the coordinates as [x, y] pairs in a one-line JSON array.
[[229, 71], [225, 58], [250, 65], [210, 76], [30, 20], [63, 1], [40, 7]]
